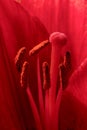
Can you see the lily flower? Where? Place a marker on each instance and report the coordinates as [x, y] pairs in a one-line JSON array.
[[62, 105], [55, 98]]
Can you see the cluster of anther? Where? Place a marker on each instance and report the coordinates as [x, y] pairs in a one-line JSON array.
[[45, 119], [22, 64]]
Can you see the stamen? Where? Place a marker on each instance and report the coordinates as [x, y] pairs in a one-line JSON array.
[[38, 47], [24, 74], [19, 58], [24, 83], [46, 75], [46, 86], [40, 93]]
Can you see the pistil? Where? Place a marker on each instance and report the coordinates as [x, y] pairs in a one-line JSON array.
[[58, 41]]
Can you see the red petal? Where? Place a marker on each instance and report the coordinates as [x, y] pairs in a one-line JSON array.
[[73, 109]]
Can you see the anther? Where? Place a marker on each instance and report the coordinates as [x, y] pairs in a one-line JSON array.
[[24, 74], [46, 75], [19, 58], [38, 47]]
